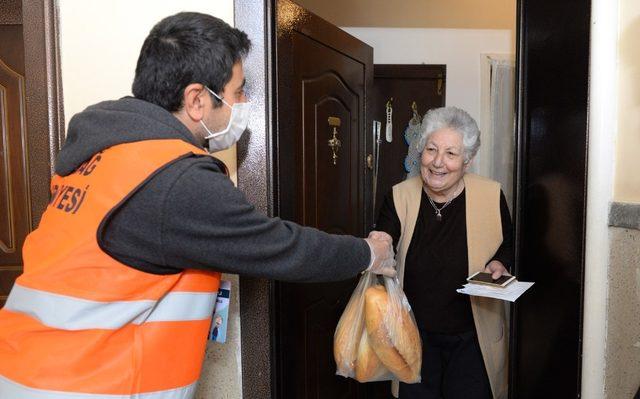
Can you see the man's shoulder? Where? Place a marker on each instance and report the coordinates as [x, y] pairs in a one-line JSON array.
[[193, 172], [197, 164], [185, 173], [185, 181]]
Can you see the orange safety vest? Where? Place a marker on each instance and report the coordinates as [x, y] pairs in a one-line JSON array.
[[79, 323]]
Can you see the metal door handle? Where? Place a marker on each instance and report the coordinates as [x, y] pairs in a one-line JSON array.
[[334, 142], [370, 161]]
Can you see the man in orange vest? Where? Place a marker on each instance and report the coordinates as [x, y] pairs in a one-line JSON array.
[[122, 273]]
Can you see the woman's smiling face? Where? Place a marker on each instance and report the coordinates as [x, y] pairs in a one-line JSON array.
[[442, 164]]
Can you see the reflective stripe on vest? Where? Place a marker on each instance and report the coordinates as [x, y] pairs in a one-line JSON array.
[[12, 390], [69, 313]]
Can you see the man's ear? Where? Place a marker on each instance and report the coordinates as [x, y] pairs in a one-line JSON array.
[[193, 101]]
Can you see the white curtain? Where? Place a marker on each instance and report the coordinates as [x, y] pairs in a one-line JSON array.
[[501, 124]]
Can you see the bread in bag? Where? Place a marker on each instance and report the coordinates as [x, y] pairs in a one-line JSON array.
[[402, 354]]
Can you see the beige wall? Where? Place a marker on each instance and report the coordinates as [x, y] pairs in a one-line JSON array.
[[452, 14], [622, 348], [622, 357], [100, 42], [627, 171]]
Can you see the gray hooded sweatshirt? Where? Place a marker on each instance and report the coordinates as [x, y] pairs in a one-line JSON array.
[[189, 215]]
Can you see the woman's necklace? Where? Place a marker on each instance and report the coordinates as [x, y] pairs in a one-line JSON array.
[[439, 210]]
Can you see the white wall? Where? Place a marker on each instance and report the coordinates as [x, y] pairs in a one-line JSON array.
[[627, 182], [99, 46], [459, 49], [100, 42], [602, 132]]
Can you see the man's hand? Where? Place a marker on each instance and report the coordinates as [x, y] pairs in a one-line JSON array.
[[381, 235], [496, 268], [382, 256]]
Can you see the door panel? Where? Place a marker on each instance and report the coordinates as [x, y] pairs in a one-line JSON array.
[[322, 72], [15, 202], [326, 94]]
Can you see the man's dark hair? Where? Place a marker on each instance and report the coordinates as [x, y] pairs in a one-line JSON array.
[[187, 48]]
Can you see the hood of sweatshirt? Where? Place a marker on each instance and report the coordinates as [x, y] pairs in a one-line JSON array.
[[109, 123]]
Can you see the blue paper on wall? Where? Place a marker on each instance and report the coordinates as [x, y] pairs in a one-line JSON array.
[[218, 330]]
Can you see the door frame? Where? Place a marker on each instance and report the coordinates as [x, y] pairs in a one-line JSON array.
[[552, 52], [43, 98], [257, 171], [257, 180], [44, 106], [44, 103]]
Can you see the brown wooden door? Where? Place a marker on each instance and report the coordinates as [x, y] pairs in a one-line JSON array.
[[322, 72], [15, 215]]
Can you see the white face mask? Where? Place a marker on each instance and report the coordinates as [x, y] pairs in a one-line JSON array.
[[237, 125]]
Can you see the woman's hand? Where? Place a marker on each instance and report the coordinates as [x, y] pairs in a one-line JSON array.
[[496, 268]]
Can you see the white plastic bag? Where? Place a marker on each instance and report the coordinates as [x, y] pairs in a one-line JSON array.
[[350, 329], [377, 326]]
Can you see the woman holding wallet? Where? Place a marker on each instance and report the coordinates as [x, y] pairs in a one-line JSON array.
[[447, 224]]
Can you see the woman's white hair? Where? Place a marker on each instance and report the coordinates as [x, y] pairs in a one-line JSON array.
[[451, 118]]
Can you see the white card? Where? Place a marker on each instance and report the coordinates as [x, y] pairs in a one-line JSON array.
[[509, 293]]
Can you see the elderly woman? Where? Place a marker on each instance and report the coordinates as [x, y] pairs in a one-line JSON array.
[[447, 224]]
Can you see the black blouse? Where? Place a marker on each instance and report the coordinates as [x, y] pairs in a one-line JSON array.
[[437, 261]]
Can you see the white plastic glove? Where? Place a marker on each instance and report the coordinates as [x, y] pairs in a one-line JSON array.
[[382, 255]]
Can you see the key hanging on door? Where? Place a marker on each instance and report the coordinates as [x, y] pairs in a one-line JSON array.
[[389, 121]]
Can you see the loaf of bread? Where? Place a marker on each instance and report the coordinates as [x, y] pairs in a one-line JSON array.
[[401, 353], [345, 339], [368, 365]]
